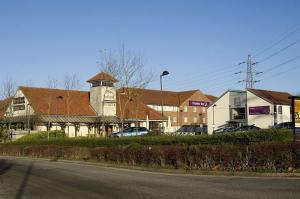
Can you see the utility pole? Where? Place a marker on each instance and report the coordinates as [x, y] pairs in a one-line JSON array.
[[249, 77], [250, 73]]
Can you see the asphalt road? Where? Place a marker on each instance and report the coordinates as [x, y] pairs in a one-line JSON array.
[[29, 178]]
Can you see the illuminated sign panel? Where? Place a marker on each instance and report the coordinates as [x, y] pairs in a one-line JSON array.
[[198, 103], [297, 112], [259, 110]]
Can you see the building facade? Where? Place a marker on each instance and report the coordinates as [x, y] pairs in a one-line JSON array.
[[102, 110], [186, 108], [261, 108]]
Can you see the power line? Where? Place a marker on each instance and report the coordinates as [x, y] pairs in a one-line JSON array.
[[281, 64], [282, 72], [204, 75], [284, 37], [279, 51], [204, 81]]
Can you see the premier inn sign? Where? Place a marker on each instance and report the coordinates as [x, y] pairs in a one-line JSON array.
[[198, 103]]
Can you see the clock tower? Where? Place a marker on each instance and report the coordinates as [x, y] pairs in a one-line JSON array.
[[103, 94]]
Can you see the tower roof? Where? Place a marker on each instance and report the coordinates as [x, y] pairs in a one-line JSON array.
[[102, 76]]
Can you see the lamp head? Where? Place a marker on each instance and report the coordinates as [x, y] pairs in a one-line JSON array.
[[165, 73]]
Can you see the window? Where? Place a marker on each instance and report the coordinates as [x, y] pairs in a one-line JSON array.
[[19, 100], [174, 119], [194, 109], [185, 119], [195, 119], [203, 109], [19, 107], [279, 109], [237, 101], [185, 109], [204, 120]]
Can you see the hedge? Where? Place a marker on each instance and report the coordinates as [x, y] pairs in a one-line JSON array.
[[271, 156], [230, 138]]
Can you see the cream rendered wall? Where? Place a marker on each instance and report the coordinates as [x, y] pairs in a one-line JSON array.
[[83, 130], [221, 113], [71, 132], [262, 121], [286, 114], [41, 128], [103, 100], [28, 109]]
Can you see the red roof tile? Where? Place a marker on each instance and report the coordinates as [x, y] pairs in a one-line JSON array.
[[211, 97], [274, 97], [136, 110], [3, 106], [59, 102], [153, 97], [102, 76]]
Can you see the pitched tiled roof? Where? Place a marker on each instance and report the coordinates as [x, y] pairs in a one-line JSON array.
[[59, 101], [3, 106], [274, 97], [135, 109], [153, 97], [79, 103], [211, 97], [102, 76]]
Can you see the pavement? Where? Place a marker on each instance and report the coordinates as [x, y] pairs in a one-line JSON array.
[[40, 178]]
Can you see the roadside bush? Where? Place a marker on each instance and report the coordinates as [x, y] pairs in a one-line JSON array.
[[230, 138], [41, 136], [270, 157]]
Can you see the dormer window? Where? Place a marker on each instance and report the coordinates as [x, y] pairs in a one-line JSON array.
[[19, 100]]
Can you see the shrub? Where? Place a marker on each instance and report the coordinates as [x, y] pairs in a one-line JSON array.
[[231, 138], [41, 136], [271, 156]]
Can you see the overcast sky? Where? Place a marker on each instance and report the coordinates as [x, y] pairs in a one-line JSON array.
[[199, 42]]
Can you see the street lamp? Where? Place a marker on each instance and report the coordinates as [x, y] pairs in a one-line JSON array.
[[214, 117], [161, 93]]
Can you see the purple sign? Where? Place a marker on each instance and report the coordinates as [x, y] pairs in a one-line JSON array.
[[259, 110], [198, 103]]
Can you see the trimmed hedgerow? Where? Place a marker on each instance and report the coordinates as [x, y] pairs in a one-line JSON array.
[[40, 136], [271, 156], [230, 138]]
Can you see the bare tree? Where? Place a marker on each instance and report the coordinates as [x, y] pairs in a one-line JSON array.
[[8, 88], [52, 83], [70, 82], [8, 91], [128, 67]]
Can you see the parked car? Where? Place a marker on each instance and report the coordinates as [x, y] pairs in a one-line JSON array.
[[224, 130], [284, 125], [192, 129], [246, 128], [131, 131]]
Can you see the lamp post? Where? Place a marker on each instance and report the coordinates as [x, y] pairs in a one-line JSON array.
[[28, 117], [214, 117], [161, 93]]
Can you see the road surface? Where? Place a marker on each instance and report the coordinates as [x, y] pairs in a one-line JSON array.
[[31, 178]]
